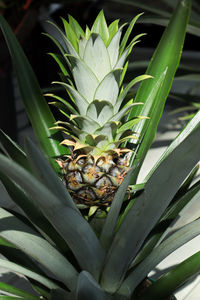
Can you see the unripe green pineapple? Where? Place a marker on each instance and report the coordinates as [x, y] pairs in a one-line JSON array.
[[93, 65]]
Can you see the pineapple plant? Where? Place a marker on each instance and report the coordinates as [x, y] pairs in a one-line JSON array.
[[51, 242], [93, 65]]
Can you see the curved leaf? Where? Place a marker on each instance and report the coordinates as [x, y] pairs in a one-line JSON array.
[[173, 279], [166, 57], [111, 219], [46, 174], [108, 88], [176, 240], [29, 273], [96, 56], [36, 107], [21, 235], [17, 292], [32, 212], [13, 150], [193, 124], [88, 288], [68, 222], [148, 208]]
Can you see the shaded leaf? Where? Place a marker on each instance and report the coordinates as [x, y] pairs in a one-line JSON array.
[[68, 222], [176, 240], [36, 107], [88, 288], [144, 214], [21, 235]]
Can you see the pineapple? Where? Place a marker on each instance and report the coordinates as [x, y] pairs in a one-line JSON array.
[[93, 65]]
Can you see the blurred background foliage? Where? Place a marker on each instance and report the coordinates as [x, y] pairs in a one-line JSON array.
[[27, 18]]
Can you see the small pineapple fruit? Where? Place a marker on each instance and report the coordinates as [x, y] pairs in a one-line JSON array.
[[93, 65]]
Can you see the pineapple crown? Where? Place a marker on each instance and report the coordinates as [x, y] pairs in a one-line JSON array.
[[93, 65]]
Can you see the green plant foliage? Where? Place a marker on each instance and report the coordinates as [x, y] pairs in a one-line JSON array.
[[68, 251]]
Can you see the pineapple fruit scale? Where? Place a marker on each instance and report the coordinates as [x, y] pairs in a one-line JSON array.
[[93, 64]]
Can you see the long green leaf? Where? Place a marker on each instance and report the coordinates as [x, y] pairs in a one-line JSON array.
[[32, 212], [21, 235], [166, 57], [34, 102], [13, 254], [88, 288], [46, 174], [17, 292], [173, 279], [193, 124], [148, 208], [111, 219], [29, 273], [68, 222], [13, 150], [176, 240], [166, 220]]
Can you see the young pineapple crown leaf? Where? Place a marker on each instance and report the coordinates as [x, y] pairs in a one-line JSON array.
[[93, 63]]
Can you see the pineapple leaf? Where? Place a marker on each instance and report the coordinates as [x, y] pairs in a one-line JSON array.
[[80, 101], [60, 63], [123, 73], [64, 102], [16, 291], [101, 111], [67, 44], [146, 111], [171, 280], [165, 58], [128, 87], [100, 27], [123, 111], [82, 45], [126, 137], [113, 47], [108, 130], [170, 215], [71, 35], [108, 88], [36, 107], [61, 107], [88, 288], [85, 123], [129, 124], [58, 44], [46, 174], [193, 124], [76, 27], [144, 214], [32, 212], [68, 222], [113, 28], [127, 34], [26, 239], [12, 150], [72, 127], [96, 56], [87, 32], [10, 252], [107, 233], [124, 56], [85, 80], [176, 240], [29, 273]]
